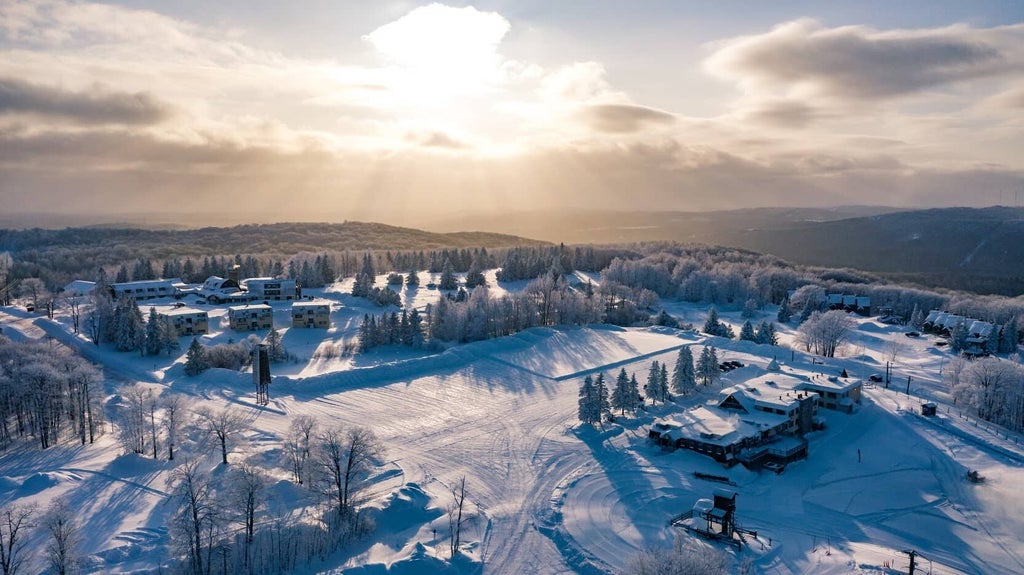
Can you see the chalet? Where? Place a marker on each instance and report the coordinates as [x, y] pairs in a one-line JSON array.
[[762, 419], [146, 289], [270, 288], [316, 313], [187, 321], [217, 290], [858, 304], [251, 317], [978, 332], [840, 394]]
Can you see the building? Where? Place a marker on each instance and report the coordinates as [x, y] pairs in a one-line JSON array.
[[251, 317], [221, 290], [187, 321], [840, 394], [271, 288], [146, 289], [762, 419], [857, 304], [316, 313], [78, 288], [978, 332]]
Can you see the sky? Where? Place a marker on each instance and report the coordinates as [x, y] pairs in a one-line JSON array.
[[404, 111]]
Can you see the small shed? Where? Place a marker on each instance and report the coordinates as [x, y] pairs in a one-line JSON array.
[[928, 409]]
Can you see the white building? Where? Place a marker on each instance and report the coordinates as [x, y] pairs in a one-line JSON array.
[[270, 288], [187, 321], [146, 289]]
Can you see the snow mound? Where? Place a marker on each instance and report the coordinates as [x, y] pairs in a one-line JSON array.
[[418, 559], [38, 482]]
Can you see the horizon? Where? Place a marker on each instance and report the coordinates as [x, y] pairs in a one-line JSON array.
[[396, 113]]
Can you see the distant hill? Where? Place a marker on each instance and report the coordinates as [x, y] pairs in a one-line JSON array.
[[974, 249], [283, 239]]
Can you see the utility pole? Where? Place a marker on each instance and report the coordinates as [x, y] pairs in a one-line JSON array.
[[908, 386], [913, 560], [888, 373]]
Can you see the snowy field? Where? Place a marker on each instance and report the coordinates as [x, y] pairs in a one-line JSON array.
[[550, 496]]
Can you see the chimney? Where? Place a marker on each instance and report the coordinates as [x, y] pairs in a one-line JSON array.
[[233, 272]]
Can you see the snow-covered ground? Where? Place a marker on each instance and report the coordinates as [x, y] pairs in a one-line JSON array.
[[550, 496]]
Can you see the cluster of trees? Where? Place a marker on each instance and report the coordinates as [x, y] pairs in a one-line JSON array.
[[714, 326], [47, 393], [764, 333], [594, 403], [823, 333], [60, 528], [392, 329], [993, 388], [233, 355]]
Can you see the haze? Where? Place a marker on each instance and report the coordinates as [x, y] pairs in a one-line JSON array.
[[403, 111]]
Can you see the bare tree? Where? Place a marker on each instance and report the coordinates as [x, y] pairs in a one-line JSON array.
[[64, 537], [298, 444], [14, 522], [196, 520], [823, 333], [247, 486], [175, 412], [73, 301], [132, 417], [344, 457], [225, 425], [455, 510], [35, 290], [893, 350], [687, 557]]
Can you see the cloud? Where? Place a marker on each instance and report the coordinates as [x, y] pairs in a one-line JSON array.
[[857, 62], [96, 106], [436, 139], [783, 113], [622, 118]]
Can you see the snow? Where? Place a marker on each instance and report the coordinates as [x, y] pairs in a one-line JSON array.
[[546, 494]]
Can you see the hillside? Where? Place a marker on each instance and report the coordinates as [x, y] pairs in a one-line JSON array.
[[973, 249]]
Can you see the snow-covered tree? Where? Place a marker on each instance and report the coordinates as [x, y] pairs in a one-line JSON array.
[[63, 537], [197, 520], [344, 458], [1008, 336], [685, 558], [747, 332], [916, 318], [823, 333], [154, 339], [448, 280], [708, 371], [225, 424], [602, 405], [131, 333], [620, 395], [412, 278], [766, 333], [299, 446], [749, 309], [16, 524], [585, 410], [684, 379], [276, 351], [784, 314], [195, 358], [657, 385]]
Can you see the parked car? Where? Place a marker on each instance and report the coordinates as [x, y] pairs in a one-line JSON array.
[[912, 334], [875, 377], [179, 304]]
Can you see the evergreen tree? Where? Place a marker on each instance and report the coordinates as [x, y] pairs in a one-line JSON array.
[[663, 384], [917, 318], [587, 402], [684, 379], [1008, 336], [707, 366], [766, 333], [747, 332], [412, 278], [809, 308], [122, 275], [602, 406], [131, 331], [784, 314], [154, 337], [749, 309], [276, 351], [653, 387], [195, 358], [448, 279], [475, 275], [620, 395], [634, 393], [712, 326]]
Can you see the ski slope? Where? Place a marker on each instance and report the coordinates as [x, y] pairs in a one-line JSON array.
[[550, 496]]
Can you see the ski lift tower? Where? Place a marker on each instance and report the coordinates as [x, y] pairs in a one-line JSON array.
[[261, 374]]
